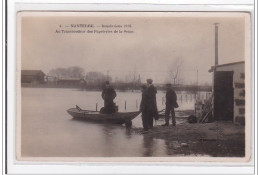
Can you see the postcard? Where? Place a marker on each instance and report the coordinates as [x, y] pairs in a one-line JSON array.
[[133, 86]]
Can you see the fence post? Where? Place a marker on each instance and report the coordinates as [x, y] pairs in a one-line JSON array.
[[125, 105]]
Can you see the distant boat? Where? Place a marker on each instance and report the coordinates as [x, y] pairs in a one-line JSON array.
[[115, 118]]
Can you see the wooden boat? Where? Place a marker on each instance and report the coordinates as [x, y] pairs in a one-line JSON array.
[[115, 118]]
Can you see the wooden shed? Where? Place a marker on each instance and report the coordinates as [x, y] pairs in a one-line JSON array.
[[32, 76], [229, 92]]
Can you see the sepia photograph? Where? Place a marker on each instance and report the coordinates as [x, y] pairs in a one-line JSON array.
[[133, 86]]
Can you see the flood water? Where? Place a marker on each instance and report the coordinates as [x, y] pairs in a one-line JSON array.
[[49, 131]]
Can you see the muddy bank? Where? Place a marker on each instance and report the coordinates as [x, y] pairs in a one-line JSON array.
[[217, 139]]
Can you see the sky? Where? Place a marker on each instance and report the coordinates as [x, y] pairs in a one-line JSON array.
[[157, 40]]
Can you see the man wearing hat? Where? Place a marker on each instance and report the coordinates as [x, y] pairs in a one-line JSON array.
[[151, 103], [171, 103], [108, 95], [143, 108]]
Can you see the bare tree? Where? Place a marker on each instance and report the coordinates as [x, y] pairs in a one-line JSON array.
[[175, 70], [58, 72], [70, 72], [76, 72], [94, 77], [133, 79]]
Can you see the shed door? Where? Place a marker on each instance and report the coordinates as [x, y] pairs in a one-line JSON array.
[[223, 95]]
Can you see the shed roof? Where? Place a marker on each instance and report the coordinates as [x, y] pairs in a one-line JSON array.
[[228, 64], [32, 72]]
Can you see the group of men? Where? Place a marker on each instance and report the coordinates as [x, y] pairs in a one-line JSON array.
[[148, 105]]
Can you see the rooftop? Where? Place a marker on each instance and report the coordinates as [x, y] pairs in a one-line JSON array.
[[228, 64], [32, 72]]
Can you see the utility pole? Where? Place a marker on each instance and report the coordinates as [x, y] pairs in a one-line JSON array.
[[197, 77], [197, 80], [215, 66], [107, 75], [216, 43], [135, 78]]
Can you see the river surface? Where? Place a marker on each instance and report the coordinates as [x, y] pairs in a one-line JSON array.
[[49, 131]]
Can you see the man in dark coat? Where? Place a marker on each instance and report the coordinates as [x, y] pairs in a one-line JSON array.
[[143, 108], [151, 103], [108, 95], [171, 103]]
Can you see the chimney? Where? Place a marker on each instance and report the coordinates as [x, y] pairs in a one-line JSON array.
[[216, 43]]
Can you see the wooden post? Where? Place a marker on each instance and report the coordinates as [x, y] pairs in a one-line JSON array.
[[96, 106], [125, 105], [136, 104]]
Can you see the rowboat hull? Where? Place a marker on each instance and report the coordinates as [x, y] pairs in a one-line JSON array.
[[116, 118]]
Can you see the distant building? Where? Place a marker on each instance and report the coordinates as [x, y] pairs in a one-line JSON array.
[[229, 92], [71, 82], [32, 76], [50, 79]]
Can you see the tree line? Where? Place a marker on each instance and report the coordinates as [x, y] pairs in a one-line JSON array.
[[94, 80]]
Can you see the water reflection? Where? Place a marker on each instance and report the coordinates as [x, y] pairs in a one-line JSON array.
[[109, 137], [128, 133], [79, 138], [118, 140], [148, 144]]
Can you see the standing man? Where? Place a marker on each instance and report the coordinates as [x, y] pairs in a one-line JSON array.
[[108, 95], [143, 108], [171, 103], [151, 103]]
